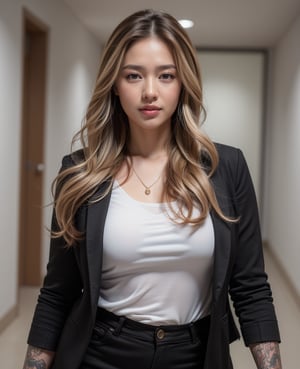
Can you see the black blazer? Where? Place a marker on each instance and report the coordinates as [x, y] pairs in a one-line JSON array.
[[67, 304]]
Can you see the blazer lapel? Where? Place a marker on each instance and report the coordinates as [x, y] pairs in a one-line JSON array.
[[223, 239], [96, 215], [222, 254]]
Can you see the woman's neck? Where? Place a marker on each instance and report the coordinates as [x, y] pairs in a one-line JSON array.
[[149, 145]]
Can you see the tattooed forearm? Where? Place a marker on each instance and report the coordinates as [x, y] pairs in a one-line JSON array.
[[33, 359], [266, 355], [37, 358]]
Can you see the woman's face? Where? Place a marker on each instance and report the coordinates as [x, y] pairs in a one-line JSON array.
[[148, 85]]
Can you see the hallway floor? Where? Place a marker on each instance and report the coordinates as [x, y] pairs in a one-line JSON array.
[[13, 338]]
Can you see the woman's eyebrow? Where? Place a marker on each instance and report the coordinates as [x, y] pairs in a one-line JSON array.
[[141, 68]]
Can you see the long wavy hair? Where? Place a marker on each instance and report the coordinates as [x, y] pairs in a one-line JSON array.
[[105, 131]]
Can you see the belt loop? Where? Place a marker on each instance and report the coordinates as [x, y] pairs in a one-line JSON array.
[[121, 322], [193, 332]]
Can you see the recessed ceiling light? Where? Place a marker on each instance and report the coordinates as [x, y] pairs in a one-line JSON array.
[[186, 23]]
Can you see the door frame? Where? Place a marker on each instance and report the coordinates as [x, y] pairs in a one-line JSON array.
[[39, 34]]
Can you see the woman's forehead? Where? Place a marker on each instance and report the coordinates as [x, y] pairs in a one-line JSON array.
[[148, 50]]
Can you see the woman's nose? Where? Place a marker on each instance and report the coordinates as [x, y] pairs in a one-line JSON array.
[[150, 92]]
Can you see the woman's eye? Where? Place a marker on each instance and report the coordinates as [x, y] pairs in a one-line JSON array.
[[133, 77], [167, 76]]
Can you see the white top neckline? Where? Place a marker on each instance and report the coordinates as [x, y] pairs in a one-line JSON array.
[[154, 204]]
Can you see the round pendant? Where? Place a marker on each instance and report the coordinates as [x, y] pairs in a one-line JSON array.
[[147, 191]]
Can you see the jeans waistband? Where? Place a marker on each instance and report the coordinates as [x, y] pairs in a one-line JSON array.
[[191, 331]]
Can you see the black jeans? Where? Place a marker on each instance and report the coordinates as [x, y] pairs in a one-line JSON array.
[[121, 343]]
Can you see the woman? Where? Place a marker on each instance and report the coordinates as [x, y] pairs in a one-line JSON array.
[[153, 225]]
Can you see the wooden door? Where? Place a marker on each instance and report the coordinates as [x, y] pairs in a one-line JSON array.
[[32, 160]]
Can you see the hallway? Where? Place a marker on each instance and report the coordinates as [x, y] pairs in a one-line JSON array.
[[13, 339], [73, 56]]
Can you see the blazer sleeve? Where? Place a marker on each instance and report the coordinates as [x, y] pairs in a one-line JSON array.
[[249, 287], [61, 287]]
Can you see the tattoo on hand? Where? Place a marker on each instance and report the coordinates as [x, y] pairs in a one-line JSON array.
[[33, 359], [267, 355]]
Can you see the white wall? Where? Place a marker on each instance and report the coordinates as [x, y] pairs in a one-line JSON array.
[[10, 76], [73, 57], [282, 190], [233, 97]]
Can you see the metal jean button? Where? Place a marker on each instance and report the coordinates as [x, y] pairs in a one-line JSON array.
[[160, 334]]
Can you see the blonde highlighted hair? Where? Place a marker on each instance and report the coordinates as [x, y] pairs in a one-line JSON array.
[[105, 132]]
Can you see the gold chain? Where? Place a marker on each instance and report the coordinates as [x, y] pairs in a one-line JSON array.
[[147, 188]]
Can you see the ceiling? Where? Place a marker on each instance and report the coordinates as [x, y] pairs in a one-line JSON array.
[[218, 23]]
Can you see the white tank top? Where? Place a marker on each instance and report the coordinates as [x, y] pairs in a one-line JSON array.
[[154, 270]]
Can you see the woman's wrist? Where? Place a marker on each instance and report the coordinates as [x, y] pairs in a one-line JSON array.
[[37, 358], [266, 355]]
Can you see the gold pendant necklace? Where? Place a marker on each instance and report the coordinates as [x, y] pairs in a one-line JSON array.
[[147, 188]]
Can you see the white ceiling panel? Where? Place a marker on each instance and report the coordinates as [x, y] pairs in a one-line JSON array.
[[218, 23]]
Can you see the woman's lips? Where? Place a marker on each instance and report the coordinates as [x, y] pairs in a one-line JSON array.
[[150, 111]]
